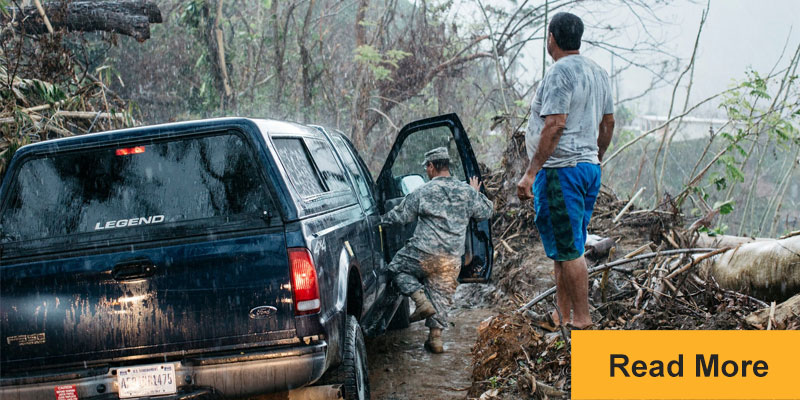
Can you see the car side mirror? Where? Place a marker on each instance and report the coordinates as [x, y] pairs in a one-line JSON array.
[[410, 183]]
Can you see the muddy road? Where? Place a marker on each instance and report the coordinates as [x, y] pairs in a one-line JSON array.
[[400, 368]]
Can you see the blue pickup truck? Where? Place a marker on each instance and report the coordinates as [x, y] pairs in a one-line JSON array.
[[226, 257]]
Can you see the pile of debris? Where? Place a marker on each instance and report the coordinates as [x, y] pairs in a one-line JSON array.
[[50, 86], [648, 288], [512, 359], [655, 276]]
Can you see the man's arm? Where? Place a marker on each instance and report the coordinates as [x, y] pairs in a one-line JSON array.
[[551, 133], [403, 213], [482, 207], [606, 132]]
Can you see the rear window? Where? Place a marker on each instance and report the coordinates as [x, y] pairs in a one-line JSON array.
[[126, 188]]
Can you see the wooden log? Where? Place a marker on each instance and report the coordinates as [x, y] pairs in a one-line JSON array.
[[704, 240], [768, 269], [782, 314], [126, 17]]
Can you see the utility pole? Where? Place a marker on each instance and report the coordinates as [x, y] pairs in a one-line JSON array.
[[544, 43]]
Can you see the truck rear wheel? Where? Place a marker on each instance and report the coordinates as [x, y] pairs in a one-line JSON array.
[[400, 319], [352, 373]]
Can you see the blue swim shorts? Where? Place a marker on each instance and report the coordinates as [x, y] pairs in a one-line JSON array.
[[564, 199]]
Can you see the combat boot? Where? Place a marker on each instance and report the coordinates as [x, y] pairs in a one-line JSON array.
[[435, 344], [424, 308]]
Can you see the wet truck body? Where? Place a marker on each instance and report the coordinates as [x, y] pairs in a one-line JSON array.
[[226, 257]]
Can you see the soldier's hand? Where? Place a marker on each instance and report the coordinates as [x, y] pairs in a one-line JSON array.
[[475, 183], [524, 188]]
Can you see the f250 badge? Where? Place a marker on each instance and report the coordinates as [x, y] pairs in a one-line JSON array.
[[263, 312], [153, 219]]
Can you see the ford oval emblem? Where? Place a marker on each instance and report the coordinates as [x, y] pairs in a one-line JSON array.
[[263, 312]]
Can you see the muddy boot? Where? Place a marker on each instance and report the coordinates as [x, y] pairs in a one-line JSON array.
[[424, 308], [434, 344]]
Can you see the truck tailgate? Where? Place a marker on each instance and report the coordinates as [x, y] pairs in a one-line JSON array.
[[134, 303]]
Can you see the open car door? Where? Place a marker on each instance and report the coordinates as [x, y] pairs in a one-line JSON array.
[[402, 173]]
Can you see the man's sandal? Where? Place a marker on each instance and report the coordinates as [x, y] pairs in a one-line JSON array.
[[544, 321], [589, 327]]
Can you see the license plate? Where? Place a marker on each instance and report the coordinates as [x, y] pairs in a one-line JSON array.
[[146, 380]]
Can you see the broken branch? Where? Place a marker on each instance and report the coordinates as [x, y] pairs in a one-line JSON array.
[[126, 17]]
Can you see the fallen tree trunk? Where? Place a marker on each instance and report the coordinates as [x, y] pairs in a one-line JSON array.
[[126, 17], [768, 269], [719, 241], [785, 313]]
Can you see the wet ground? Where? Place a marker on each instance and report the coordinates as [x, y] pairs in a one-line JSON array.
[[400, 368]]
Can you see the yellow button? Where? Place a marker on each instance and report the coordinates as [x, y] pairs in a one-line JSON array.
[[686, 364]]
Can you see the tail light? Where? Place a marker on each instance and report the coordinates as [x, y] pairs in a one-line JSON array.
[[304, 282], [130, 150]]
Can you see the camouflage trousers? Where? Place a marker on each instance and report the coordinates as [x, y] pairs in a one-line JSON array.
[[438, 275]]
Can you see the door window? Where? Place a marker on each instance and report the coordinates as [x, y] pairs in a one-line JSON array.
[[363, 185], [412, 153], [330, 170]]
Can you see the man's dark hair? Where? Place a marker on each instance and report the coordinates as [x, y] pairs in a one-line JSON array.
[[567, 29], [440, 165]]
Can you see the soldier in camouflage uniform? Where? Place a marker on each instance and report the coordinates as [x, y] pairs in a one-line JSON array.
[[427, 267]]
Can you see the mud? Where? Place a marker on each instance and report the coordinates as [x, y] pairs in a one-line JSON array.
[[400, 368]]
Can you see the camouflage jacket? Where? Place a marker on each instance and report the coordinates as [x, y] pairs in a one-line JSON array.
[[442, 208]]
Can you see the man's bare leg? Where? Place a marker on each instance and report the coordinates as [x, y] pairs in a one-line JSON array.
[[563, 299], [576, 279]]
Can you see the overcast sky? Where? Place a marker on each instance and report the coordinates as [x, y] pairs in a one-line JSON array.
[[738, 34]]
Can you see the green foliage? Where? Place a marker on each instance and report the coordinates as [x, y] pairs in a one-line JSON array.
[[37, 91], [203, 96], [763, 121], [494, 383], [724, 207], [13, 145], [378, 63], [720, 230], [192, 13], [732, 170], [757, 85], [700, 191], [4, 4], [719, 181]]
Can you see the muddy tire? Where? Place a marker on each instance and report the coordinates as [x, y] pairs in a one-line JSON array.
[[400, 319], [352, 372]]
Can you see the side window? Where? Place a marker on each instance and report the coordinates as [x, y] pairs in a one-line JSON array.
[[295, 159], [362, 182], [328, 167]]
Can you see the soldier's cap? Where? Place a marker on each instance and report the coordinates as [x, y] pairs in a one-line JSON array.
[[439, 153]]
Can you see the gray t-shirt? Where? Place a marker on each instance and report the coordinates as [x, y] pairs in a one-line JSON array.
[[578, 87]]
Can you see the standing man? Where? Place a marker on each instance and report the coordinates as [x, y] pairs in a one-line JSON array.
[[569, 130], [427, 267]]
